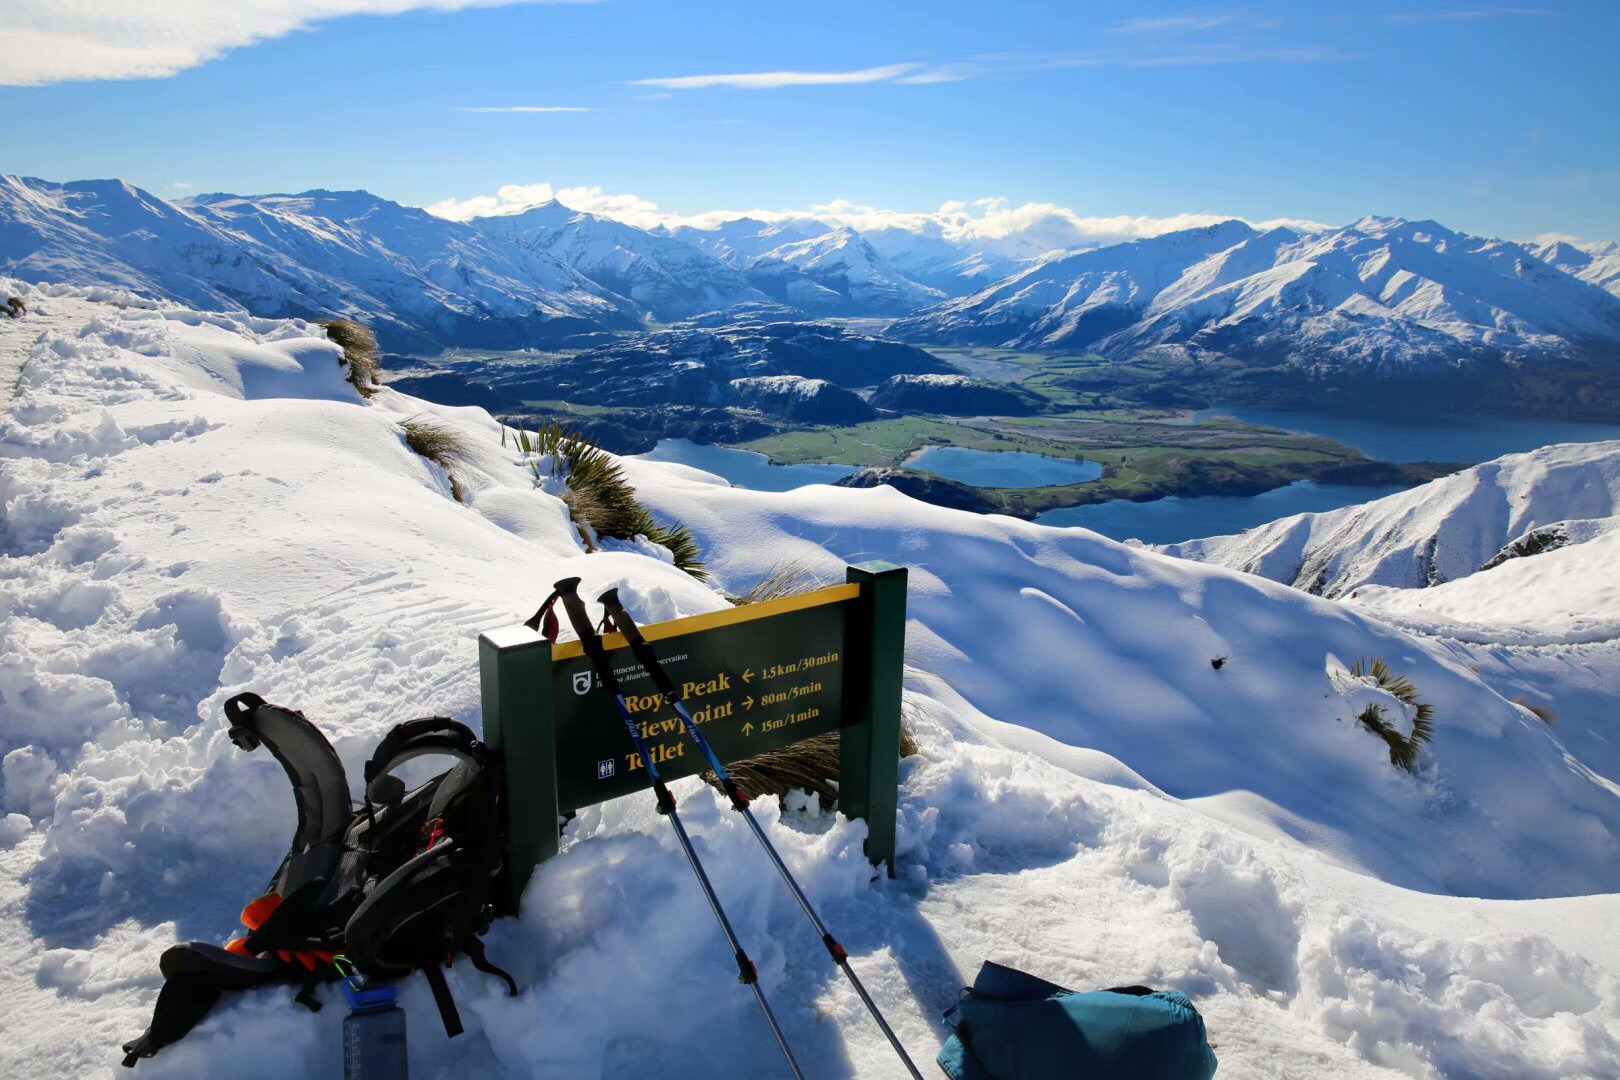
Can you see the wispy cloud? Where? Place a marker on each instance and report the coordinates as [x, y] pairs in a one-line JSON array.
[[1412, 18], [771, 80], [1175, 24], [1171, 41], [48, 41], [524, 108]]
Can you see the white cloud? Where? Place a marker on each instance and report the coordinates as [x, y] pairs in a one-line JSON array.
[[1157, 43], [524, 108], [993, 224], [1173, 24], [50, 41], [1413, 18], [512, 198], [770, 80]]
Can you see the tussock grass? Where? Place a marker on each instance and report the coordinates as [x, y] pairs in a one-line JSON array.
[[810, 766], [1541, 712], [786, 578], [443, 446], [16, 307], [600, 499], [361, 353], [1403, 749]]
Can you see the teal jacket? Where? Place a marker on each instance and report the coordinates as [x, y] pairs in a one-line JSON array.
[[1013, 1026]]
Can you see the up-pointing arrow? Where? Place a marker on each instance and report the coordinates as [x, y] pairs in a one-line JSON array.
[[748, 728]]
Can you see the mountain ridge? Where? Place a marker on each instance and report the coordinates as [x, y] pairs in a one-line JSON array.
[[1223, 310]]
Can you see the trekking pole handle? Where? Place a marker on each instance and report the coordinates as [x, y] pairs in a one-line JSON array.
[[568, 593], [638, 645]]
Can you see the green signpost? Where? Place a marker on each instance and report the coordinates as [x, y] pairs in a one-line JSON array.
[[756, 678]]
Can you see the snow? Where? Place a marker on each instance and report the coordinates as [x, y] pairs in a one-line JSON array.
[[1452, 560], [1436, 532], [198, 504], [1382, 293], [420, 279], [1595, 262], [667, 276]]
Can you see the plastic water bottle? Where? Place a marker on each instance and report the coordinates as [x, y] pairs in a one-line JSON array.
[[373, 1035]]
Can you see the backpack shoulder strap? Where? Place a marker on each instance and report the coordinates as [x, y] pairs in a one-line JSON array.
[[419, 738], [320, 786], [427, 735]]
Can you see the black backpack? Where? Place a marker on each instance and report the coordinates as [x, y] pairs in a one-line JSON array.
[[402, 884]]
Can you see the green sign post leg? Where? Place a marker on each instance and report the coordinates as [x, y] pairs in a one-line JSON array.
[[869, 746], [514, 674]]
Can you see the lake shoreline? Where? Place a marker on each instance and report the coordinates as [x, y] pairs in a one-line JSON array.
[[1199, 483]]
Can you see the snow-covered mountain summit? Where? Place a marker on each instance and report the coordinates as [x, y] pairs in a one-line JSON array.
[[740, 241], [844, 263], [665, 275], [1594, 262]]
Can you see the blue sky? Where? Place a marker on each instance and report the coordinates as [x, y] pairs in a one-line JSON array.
[[1500, 119]]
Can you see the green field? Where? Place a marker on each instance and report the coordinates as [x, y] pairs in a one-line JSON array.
[[1143, 454]]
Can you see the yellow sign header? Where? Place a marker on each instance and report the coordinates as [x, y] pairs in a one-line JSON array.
[[834, 594]]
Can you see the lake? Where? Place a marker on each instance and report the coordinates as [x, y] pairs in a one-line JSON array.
[[1172, 519], [1002, 468], [1469, 440], [744, 467]]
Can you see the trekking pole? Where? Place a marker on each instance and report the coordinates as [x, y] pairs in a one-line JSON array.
[[739, 802], [567, 591]]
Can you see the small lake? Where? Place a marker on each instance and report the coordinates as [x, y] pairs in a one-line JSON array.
[[1173, 519], [744, 468], [1469, 440], [1002, 468]]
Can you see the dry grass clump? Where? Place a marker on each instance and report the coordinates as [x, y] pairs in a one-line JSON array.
[[1541, 712], [16, 308], [361, 353], [787, 578], [811, 766], [1403, 749], [439, 444], [600, 499]]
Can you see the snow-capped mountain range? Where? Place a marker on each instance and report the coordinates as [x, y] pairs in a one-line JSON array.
[[418, 279], [1380, 296], [1382, 293]]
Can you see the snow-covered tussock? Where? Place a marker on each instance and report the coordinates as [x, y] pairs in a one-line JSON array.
[[199, 504]]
